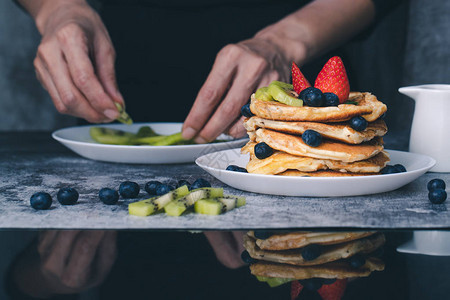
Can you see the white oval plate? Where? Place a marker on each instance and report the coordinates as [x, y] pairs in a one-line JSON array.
[[216, 163], [79, 140]]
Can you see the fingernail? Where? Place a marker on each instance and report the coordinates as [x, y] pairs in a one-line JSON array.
[[111, 114], [189, 133], [200, 140]]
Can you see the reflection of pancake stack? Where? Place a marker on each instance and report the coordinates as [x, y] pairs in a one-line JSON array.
[[317, 257], [344, 151]]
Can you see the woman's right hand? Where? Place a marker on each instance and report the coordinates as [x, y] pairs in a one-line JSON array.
[[75, 60]]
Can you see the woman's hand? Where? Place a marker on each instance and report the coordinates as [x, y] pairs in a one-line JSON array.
[[75, 59], [227, 246], [66, 262], [238, 71]]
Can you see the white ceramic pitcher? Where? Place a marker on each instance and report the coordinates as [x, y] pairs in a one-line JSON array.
[[430, 131]]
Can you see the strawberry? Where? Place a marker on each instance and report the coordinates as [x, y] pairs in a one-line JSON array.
[[333, 79], [333, 291], [296, 288], [298, 79]]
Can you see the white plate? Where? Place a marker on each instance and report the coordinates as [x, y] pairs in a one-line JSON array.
[[78, 140], [216, 163], [436, 243]]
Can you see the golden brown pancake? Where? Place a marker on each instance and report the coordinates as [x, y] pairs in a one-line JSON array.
[[326, 173], [329, 253], [368, 106], [299, 239], [335, 131], [336, 269], [279, 162], [327, 150]]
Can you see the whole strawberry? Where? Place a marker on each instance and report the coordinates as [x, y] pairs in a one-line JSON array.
[[333, 79], [298, 79]]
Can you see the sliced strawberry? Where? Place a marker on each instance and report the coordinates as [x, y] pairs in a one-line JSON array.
[[333, 79], [298, 79], [296, 288], [333, 291]]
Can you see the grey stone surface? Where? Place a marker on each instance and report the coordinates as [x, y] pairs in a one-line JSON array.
[[32, 166]]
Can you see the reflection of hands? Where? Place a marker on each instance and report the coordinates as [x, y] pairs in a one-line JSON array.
[[75, 61], [227, 246], [239, 69], [68, 262]]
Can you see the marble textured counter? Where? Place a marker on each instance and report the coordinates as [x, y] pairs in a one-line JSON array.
[[31, 162]]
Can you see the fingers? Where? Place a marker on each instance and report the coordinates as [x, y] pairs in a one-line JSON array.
[[237, 129], [75, 48], [106, 256], [209, 96], [226, 248]]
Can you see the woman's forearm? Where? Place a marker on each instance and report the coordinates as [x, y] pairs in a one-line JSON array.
[[318, 27]]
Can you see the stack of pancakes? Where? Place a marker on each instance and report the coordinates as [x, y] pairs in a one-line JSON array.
[[343, 151], [280, 255]]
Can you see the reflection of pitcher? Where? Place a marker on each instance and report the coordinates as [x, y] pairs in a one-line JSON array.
[[430, 131]]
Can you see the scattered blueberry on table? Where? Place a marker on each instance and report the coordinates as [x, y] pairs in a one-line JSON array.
[[235, 168], [41, 200], [330, 99], [312, 138], [358, 123], [357, 261], [163, 189], [245, 111], [262, 150], [67, 196], [200, 183], [436, 184], [151, 186], [129, 189], [108, 196], [311, 252], [183, 182], [437, 193]]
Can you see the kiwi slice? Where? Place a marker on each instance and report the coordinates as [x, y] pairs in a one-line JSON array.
[[145, 131], [177, 207], [263, 94], [217, 206], [123, 116], [274, 282], [149, 206], [284, 93], [111, 136]]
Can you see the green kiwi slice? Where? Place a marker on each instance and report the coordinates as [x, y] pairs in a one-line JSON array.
[[284, 93]]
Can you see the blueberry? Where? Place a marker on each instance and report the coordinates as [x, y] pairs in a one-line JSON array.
[[129, 189], [262, 234], [389, 170], [245, 256], [307, 91], [400, 168], [151, 186], [312, 138], [330, 99], [313, 98], [358, 123], [436, 184], [311, 252], [262, 150], [41, 200], [235, 168], [357, 261], [67, 196], [200, 183], [437, 196], [312, 284], [108, 196], [183, 182], [245, 111], [162, 189]]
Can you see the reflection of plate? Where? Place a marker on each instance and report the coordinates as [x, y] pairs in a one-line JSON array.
[[78, 140], [216, 163], [428, 242]]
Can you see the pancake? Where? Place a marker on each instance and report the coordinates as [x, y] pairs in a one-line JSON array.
[[279, 162], [335, 131], [299, 239], [327, 150], [368, 106], [329, 253], [336, 269], [326, 173]]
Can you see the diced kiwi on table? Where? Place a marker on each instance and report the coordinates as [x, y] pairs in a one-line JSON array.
[[177, 207], [217, 206]]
